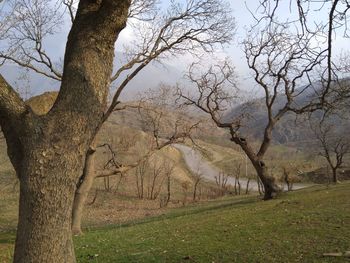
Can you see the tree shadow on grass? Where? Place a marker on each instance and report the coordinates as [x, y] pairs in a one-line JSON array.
[[218, 205]]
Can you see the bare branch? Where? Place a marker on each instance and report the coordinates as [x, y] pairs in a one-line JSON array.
[[216, 90], [159, 120], [70, 4], [306, 21], [25, 26], [14, 114], [12, 107], [143, 10], [196, 25]]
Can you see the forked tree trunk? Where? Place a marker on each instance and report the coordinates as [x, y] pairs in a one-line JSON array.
[[48, 152]]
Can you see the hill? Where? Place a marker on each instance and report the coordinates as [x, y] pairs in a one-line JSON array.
[[113, 199], [298, 227], [292, 129]]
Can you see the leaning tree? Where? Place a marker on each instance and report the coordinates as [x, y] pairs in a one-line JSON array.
[[292, 63], [281, 63], [51, 153]]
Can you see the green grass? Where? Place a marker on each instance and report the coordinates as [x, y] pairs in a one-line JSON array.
[[296, 227]]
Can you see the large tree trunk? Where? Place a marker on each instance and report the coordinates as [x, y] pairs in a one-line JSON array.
[[47, 185], [269, 182], [48, 152], [82, 191]]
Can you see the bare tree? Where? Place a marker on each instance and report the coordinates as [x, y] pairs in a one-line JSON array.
[[185, 186], [113, 167], [237, 175], [212, 98], [155, 181], [112, 161], [333, 145], [221, 182], [191, 27], [197, 178], [260, 186], [247, 186], [140, 174], [286, 178], [155, 113], [168, 170], [285, 67], [304, 17], [25, 26]]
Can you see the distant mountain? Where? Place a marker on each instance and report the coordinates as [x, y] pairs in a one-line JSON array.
[[291, 129]]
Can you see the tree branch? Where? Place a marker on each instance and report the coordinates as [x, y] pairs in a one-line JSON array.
[[12, 107]]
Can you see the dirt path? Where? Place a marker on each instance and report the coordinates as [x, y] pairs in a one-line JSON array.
[[198, 164]]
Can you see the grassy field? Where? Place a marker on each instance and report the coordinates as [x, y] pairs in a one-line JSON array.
[[297, 227]]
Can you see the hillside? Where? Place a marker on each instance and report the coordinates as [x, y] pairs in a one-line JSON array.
[[120, 227], [292, 129], [298, 227], [113, 199], [129, 135]]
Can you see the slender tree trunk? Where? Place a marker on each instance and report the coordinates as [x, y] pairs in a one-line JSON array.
[[247, 187], [195, 191], [236, 192], [328, 175], [334, 174], [82, 191], [168, 190], [142, 187], [258, 181]]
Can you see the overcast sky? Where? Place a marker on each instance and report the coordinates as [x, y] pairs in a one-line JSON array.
[[174, 69]]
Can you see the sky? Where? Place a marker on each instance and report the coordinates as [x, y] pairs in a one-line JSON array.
[[171, 70]]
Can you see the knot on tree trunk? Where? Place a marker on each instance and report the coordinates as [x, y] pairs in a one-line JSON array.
[[242, 140]]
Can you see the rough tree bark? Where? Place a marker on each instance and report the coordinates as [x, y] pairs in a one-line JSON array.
[[82, 191], [269, 182], [48, 152]]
